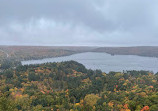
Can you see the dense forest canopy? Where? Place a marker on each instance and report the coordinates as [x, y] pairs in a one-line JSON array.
[[69, 85]]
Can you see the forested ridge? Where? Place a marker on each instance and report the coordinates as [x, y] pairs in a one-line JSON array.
[[146, 51], [69, 86], [20, 53]]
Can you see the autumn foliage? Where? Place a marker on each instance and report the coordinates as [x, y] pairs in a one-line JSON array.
[[69, 86]]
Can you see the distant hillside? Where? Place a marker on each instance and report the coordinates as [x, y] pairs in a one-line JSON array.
[[10, 56], [39, 52], [148, 51]]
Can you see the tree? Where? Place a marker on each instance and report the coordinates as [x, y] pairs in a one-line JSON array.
[[33, 77], [8, 73], [91, 99], [6, 104]]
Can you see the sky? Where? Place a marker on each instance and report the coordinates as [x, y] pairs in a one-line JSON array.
[[79, 22]]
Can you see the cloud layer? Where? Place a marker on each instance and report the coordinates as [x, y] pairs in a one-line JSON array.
[[79, 22]]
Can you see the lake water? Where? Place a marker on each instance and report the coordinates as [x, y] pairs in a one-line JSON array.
[[106, 62]]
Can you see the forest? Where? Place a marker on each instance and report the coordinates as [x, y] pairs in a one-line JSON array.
[[146, 51], [69, 86], [20, 53]]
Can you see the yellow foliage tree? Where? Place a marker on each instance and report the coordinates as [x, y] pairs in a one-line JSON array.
[[110, 104], [91, 99]]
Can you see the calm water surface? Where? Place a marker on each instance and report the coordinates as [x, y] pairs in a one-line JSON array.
[[106, 62]]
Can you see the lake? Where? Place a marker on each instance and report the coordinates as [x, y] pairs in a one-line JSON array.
[[105, 62]]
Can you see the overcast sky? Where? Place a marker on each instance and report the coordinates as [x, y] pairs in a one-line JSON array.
[[79, 22]]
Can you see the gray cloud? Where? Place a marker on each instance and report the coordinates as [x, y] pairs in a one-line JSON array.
[[78, 22]]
